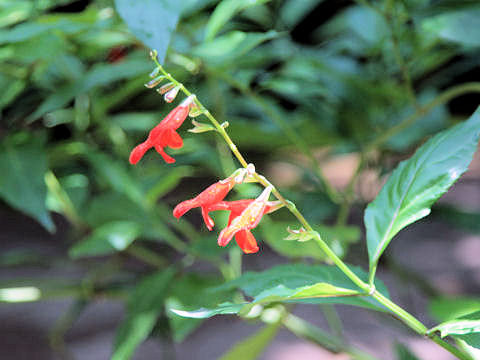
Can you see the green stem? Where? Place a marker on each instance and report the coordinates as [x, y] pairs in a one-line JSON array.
[[369, 290], [443, 98]]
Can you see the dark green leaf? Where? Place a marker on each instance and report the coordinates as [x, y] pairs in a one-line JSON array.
[[22, 184], [418, 182], [297, 283], [152, 21], [143, 309], [403, 353], [462, 26]]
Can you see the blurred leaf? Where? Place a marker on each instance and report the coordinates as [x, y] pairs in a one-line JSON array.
[[190, 292], [107, 239], [418, 182], [232, 45], [444, 309], [14, 11], [11, 88], [254, 345], [22, 184], [462, 26], [116, 175], [98, 75], [466, 328], [143, 308], [402, 353], [151, 21], [293, 11], [224, 11], [338, 238], [297, 283], [467, 220]]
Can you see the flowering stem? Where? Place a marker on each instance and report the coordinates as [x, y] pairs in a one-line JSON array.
[[369, 290]]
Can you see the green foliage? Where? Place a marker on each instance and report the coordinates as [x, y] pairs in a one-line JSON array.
[[418, 182], [22, 185], [466, 328]]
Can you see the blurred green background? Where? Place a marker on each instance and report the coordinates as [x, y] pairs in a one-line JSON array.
[[312, 90]]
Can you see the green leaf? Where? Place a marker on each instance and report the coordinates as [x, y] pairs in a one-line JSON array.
[[402, 353], [151, 21], [417, 183], [144, 307], [230, 46], [22, 183], [107, 239], [296, 283], [190, 292], [462, 26], [444, 309], [254, 345], [293, 11], [466, 328], [224, 12]]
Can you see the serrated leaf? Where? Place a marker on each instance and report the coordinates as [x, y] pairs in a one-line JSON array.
[[417, 183], [22, 184], [224, 11], [143, 309], [297, 283], [466, 328], [107, 239], [151, 21], [254, 345]]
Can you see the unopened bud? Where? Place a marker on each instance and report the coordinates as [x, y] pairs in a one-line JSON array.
[[171, 95], [153, 54], [250, 169], [195, 110], [154, 82], [189, 101], [299, 235], [165, 88], [225, 124], [155, 72]]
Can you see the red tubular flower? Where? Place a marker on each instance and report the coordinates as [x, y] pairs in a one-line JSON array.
[[212, 195], [240, 225], [164, 134]]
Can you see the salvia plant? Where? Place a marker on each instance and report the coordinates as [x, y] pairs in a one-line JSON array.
[[373, 79]]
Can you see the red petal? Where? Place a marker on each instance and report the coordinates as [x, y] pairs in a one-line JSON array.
[[138, 152], [207, 219], [246, 241], [183, 207], [226, 235], [168, 159], [173, 140]]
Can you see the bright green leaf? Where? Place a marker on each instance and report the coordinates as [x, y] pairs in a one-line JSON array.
[[466, 328], [143, 309], [444, 309], [418, 182], [107, 239], [152, 21], [22, 184], [224, 11], [232, 45]]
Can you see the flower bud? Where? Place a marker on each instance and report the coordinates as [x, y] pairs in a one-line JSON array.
[[155, 72], [200, 127], [165, 88], [171, 94], [154, 82]]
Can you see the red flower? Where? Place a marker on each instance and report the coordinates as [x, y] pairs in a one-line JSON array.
[[164, 134], [241, 222], [210, 196]]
